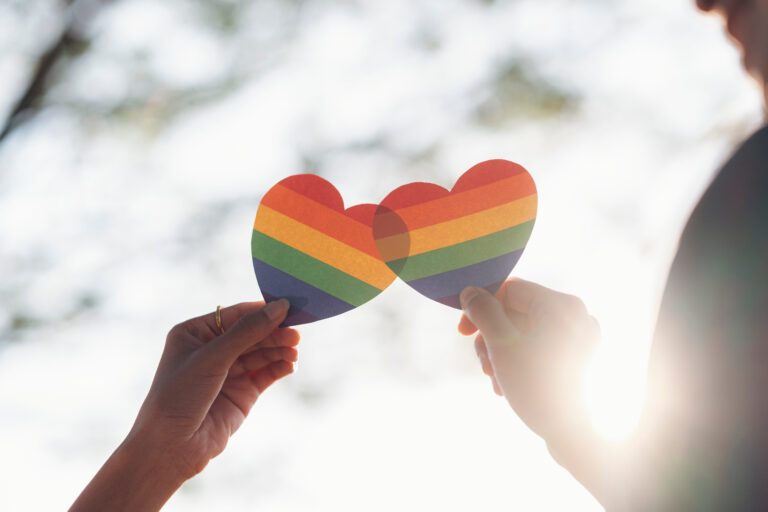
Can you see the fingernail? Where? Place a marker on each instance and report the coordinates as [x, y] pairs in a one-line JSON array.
[[276, 309], [467, 295]]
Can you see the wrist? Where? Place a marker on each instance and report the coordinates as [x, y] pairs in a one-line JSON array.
[[149, 462], [137, 476], [588, 457]]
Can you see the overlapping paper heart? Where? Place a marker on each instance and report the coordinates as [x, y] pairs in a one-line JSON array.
[[308, 249], [327, 260], [440, 242]]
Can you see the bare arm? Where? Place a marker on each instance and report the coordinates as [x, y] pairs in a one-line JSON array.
[[534, 343], [205, 385]]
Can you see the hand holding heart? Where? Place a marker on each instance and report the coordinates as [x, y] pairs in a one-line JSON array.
[[210, 375], [327, 260], [456, 247], [534, 344]]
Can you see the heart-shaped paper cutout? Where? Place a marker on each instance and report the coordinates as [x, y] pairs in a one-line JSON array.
[[440, 242], [308, 249]]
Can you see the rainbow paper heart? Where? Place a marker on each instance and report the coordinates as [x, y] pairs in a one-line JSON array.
[[440, 242], [308, 249]]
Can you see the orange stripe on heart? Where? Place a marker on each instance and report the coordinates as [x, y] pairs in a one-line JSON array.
[[441, 241]]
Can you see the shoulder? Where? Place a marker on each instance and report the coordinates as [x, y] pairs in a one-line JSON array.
[[715, 283], [749, 164], [736, 203], [753, 153], [744, 176]]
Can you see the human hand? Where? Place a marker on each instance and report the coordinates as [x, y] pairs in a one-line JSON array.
[[534, 344], [204, 387]]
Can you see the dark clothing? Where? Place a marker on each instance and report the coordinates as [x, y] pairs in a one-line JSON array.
[[708, 377]]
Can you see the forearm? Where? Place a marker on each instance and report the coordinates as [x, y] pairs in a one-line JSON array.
[[603, 468], [134, 478]]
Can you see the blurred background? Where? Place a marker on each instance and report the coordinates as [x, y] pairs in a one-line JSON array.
[[138, 138]]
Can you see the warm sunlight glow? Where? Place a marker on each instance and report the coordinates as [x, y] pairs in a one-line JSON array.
[[615, 378], [614, 389]]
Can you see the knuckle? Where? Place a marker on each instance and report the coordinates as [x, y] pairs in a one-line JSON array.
[[255, 321], [573, 304], [175, 332], [592, 327], [595, 325], [480, 304]]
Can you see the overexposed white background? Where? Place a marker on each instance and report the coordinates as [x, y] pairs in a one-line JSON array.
[[128, 195]]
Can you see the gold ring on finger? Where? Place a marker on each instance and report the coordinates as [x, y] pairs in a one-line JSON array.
[[218, 319]]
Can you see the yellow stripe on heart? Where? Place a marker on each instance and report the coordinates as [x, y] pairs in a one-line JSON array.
[[459, 230], [323, 247]]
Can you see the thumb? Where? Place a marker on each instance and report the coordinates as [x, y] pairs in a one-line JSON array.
[[222, 351], [488, 315], [501, 336]]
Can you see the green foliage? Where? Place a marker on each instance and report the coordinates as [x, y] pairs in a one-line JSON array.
[[517, 92]]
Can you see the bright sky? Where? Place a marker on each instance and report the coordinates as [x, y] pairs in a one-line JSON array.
[[388, 409]]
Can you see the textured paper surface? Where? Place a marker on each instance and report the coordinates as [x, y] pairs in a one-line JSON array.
[[308, 249], [440, 242]]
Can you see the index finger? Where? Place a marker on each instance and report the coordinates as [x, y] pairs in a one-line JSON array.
[[522, 296], [534, 300], [229, 316]]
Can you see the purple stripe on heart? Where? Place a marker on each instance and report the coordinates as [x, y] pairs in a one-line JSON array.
[[308, 303], [444, 287]]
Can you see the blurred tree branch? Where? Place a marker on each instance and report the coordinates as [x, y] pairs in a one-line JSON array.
[[71, 40], [153, 101], [518, 91]]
